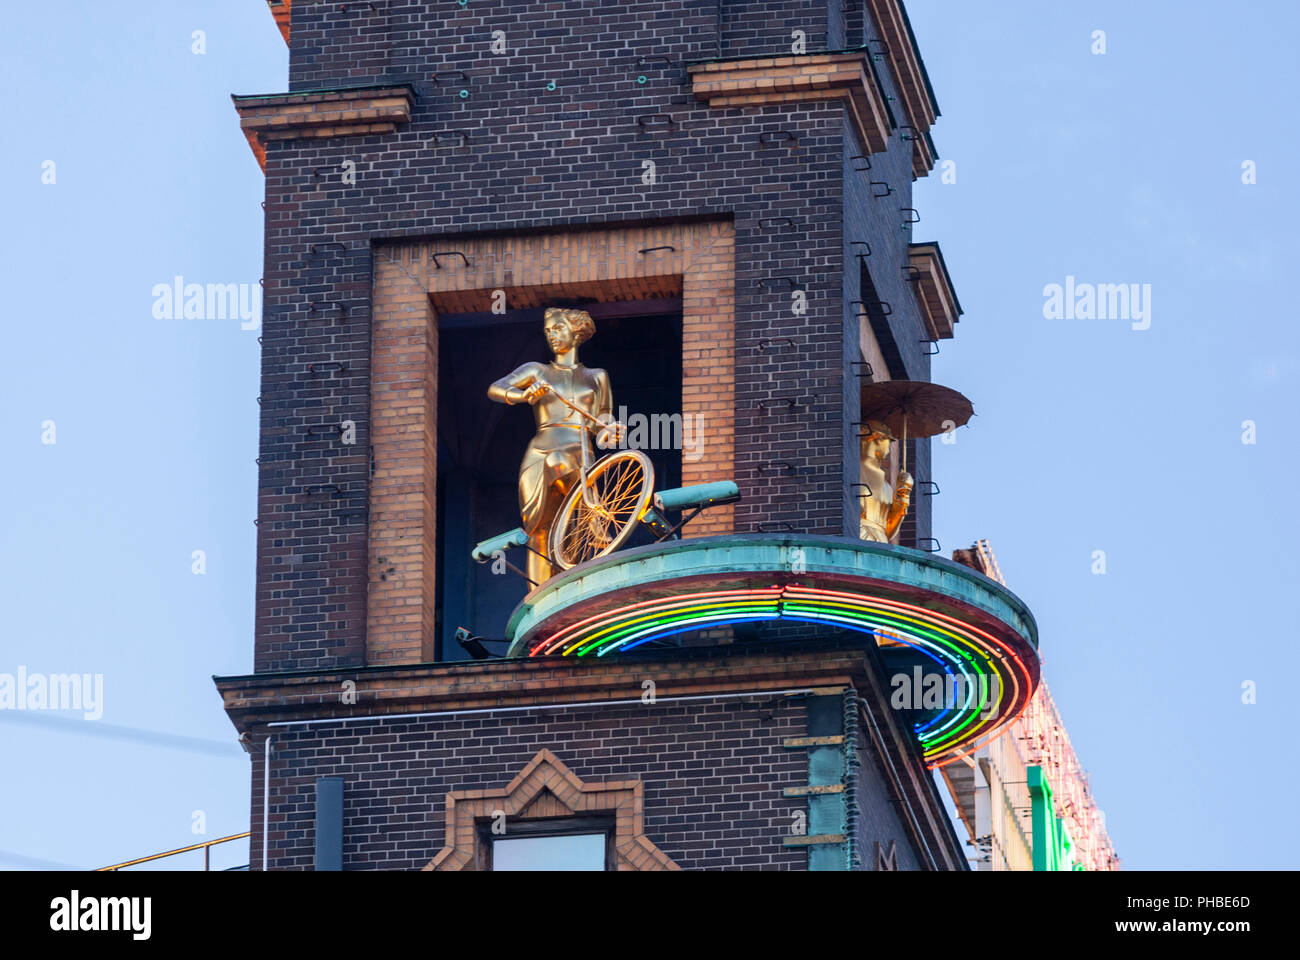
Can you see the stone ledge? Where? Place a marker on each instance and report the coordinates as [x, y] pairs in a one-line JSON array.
[[256, 699], [343, 112], [814, 76], [933, 288]]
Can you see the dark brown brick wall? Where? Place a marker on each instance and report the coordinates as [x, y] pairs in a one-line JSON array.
[[710, 757], [713, 773], [763, 27]]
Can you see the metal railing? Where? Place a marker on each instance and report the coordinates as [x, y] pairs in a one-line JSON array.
[[206, 846]]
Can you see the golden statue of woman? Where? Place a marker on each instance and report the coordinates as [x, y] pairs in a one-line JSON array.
[[554, 458], [883, 504]]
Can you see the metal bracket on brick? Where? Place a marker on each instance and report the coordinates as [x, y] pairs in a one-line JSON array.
[[666, 246], [318, 309], [655, 121], [786, 467], [931, 488], [767, 283], [774, 526], [440, 135], [876, 195], [316, 249], [868, 372], [773, 401], [448, 253], [319, 489], [773, 222], [911, 273], [668, 63], [913, 217], [860, 158], [935, 549], [861, 243], [864, 487], [318, 430], [763, 345], [320, 369], [933, 343], [463, 93], [273, 395], [778, 136], [907, 136], [884, 306]]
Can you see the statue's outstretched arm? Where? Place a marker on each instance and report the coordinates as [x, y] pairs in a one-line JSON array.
[[521, 386]]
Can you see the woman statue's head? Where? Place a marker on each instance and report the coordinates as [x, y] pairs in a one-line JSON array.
[[876, 441], [567, 328]]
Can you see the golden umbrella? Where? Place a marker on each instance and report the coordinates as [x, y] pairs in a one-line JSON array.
[[914, 408]]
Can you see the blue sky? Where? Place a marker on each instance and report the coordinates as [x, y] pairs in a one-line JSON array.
[[1117, 168]]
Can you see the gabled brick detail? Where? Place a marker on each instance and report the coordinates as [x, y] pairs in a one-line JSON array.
[[549, 786], [819, 76]]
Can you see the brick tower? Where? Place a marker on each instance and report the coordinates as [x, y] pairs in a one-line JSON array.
[[726, 188]]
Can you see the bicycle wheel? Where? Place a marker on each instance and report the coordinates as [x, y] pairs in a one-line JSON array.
[[620, 486]]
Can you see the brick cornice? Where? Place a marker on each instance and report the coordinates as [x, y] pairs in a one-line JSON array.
[[812, 76], [934, 292], [375, 692], [913, 86], [322, 113]]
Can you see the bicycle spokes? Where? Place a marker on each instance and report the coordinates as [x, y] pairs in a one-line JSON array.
[[600, 514]]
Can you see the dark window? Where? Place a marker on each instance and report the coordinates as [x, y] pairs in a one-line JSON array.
[[566, 843]]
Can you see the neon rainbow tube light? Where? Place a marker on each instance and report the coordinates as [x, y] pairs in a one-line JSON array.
[[957, 625], [961, 649]]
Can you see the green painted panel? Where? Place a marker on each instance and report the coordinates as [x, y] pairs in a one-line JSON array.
[[826, 765], [826, 856], [826, 813]]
